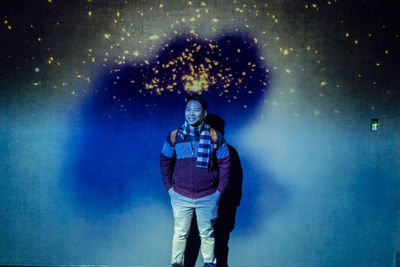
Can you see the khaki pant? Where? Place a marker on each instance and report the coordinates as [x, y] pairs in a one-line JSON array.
[[206, 211]]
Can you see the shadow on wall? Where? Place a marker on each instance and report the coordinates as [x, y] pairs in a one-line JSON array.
[[114, 150]]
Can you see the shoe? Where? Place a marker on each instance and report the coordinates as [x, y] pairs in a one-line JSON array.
[[208, 264], [177, 265]]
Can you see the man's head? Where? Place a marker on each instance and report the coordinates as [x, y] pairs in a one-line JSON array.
[[195, 111]]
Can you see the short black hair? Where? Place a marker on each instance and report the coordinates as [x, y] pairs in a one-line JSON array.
[[198, 98]]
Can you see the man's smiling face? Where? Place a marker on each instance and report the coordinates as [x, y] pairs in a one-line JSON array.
[[194, 113]]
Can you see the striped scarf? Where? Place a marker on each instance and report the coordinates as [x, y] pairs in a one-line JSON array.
[[204, 151]]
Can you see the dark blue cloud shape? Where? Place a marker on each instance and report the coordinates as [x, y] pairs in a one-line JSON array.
[[114, 163]]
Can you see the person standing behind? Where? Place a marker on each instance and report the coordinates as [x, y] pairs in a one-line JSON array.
[[195, 166]]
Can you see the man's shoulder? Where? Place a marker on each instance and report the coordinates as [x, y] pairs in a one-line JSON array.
[[172, 136], [220, 136]]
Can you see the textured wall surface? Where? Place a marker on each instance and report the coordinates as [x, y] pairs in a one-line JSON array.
[[90, 89]]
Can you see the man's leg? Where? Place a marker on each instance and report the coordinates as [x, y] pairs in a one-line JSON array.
[[207, 212], [183, 213]]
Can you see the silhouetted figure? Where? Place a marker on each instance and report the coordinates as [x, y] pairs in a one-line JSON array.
[[227, 208]]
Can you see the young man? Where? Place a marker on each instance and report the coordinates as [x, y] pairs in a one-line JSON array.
[[194, 168]]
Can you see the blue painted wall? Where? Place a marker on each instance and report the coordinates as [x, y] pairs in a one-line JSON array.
[[80, 142]]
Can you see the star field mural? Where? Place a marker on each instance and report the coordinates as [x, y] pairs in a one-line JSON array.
[[90, 89], [136, 107]]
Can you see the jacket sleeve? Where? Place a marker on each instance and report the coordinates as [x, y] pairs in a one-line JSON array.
[[167, 162], [224, 163]]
